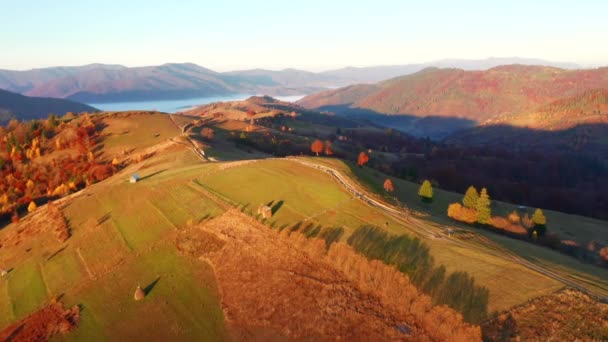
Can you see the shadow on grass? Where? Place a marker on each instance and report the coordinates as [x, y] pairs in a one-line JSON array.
[[56, 253], [151, 286], [152, 174]]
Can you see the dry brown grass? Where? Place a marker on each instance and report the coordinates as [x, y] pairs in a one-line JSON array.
[[567, 315], [43, 324], [299, 289]]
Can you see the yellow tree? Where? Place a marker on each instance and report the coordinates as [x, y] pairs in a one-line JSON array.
[[540, 222], [484, 212], [426, 191]]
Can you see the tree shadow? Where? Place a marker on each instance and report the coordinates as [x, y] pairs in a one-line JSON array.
[[56, 253], [276, 207], [151, 286]]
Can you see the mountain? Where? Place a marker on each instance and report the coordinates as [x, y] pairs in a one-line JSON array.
[[110, 83], [378, 73], [590, 107], [26, 108], [475, 95], [577, 124]]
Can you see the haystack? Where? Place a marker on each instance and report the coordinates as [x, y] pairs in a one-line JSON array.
[[265, 211], [139, 293]]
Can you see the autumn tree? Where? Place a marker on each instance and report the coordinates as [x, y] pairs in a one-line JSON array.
[[484, 212], [328, 150], [388, 185], [362, 159], [426, 191], [514, 217], [32, 206], [470, 198], [604, 254], [207, 133], [540, 222], [317, 146]]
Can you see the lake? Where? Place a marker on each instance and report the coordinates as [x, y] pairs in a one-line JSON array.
[[172, 106]]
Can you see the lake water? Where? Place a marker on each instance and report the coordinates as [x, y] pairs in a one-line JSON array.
[[172, 106]]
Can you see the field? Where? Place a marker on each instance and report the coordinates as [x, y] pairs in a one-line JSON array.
[[121, 238], [309, 196], [124, 235], [577, 228]]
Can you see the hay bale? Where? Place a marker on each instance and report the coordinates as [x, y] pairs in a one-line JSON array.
[[265, 211], [139, 293]]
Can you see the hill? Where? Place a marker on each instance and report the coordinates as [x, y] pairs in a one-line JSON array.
[[332, 258], [590, 107], [108, 83], [383, 72], [475, 95], [16, 106], [96, 83], [578, 124]]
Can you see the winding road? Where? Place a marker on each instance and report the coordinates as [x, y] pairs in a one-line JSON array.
[[404, 216]]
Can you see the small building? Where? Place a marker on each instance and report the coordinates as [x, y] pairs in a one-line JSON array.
[[134, 178]]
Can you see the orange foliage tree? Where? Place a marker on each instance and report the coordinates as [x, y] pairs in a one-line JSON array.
[[388, 185], [362, 159], [328, 150], [317, 146]]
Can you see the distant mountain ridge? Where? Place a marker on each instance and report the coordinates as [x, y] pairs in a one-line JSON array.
[[16, 106], [110, 83], [475, 95]]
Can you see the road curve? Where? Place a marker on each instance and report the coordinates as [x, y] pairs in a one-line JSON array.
[[404, 216]]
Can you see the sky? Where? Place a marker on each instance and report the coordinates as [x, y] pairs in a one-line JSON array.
[[311, 35]]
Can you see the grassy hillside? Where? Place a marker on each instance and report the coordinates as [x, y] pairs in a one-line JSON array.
[[477, 95], [124, 235]]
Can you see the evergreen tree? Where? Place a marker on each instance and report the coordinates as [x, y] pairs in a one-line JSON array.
[[484, 213], [540, 222], [426, 191], [470, 198]]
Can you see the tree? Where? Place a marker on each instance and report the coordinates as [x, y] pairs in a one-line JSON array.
[[540, 222], [484, 212], [470, 198], [362, 159], [207, 133], [32, 206], [426, 191], [317, 147], [388, 185], [604, 254], [328, 150], [514, 217]]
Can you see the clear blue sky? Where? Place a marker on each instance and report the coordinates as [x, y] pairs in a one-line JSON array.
[[311, 34]]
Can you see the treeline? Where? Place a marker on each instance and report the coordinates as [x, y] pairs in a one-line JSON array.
[[412, 257], [567, 180], [476, 210]]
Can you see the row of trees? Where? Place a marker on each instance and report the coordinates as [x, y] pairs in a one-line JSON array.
[[412, 257], [477, 208]]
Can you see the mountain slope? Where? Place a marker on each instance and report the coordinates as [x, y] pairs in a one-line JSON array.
[[578, 124], [476, 95], [590, 107], [25, 107], [378, 73]]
